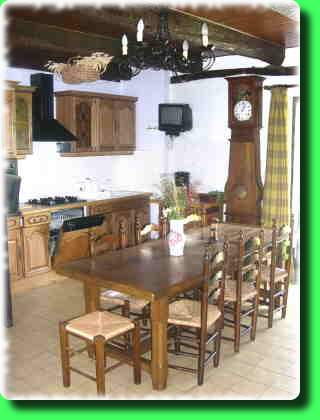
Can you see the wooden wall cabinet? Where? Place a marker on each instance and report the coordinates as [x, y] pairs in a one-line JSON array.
[[36, 243], [18, 120], [15, 248], [104, 124]]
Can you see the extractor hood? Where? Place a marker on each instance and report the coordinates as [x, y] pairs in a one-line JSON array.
[[44, 126]]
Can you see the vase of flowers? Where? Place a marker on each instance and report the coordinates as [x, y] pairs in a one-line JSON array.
[[176, 201], [176, 237]]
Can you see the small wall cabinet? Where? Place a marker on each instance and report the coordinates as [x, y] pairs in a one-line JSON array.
[[104, 124], [17, 120]]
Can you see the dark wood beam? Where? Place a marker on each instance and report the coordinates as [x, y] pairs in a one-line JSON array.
[[54, 41], [113, 22], [188, 26], [212, 74]]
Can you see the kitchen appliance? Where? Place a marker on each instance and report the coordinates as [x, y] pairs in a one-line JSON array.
[[182, 179], [53, 201], [57, 220], [12, 189], [44, 126], [175, 118]]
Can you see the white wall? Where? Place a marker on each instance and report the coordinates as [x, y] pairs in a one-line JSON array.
[[204, 151], [45, 173]]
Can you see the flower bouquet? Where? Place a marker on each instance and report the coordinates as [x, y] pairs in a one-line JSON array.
[[176, 202]]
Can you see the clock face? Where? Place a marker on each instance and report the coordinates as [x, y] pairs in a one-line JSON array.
[[243, 110]]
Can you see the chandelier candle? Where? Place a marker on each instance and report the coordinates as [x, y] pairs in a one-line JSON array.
[[140, 28], [163, 52], [124, 45], [204, 32]]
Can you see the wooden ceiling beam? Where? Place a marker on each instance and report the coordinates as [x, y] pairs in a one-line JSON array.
[[56, 41], [212, 74], [183, 25], [233, 41]]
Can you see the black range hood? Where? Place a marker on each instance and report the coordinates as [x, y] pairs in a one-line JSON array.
[[44, 126]]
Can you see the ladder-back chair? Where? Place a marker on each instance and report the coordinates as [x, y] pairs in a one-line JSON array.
[[242, 288]]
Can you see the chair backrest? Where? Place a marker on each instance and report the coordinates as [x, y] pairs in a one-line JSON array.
[[142, 231], [281, 249], [215, 265], [248, 261]]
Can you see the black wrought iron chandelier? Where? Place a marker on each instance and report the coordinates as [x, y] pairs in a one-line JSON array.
[[162, 53]]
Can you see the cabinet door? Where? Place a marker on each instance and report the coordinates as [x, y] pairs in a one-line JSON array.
[[15, 254], [23, 123], [8, 124], [124, 219], [36, 249], [125, 125], [66, 115], [107, 125], [83, 114]]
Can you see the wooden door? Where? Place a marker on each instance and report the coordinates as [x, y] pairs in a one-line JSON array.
[[125, 125], [8, 124], [83, 122], [23, 123], [107, 125], [15, 254], [36, 249], [124, 220]]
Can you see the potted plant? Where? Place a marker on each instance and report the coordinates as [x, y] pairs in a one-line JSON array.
[[176, 201]]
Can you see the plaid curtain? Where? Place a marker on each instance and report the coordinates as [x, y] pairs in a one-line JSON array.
[[276, 187]]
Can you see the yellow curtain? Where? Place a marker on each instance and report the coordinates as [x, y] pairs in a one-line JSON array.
[[276, 187]]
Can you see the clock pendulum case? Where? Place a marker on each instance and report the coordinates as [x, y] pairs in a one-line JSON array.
[[243, 189]]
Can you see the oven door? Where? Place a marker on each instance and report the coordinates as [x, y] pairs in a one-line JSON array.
[[57, 219]]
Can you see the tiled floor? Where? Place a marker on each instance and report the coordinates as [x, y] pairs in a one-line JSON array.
[[266, 369]]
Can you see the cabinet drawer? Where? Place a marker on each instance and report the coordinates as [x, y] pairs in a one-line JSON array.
[[100, 209], [36, 219]]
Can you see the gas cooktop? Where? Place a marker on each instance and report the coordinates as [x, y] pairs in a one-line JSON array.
[[53, 201]]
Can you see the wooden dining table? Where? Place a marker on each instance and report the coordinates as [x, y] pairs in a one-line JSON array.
[[147, 271]]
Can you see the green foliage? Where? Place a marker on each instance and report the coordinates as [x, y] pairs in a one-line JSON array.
[[175, 199]]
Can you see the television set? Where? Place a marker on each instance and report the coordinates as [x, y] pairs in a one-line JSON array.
[[175, 118]]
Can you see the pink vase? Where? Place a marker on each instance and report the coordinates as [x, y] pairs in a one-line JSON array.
[[176, 238]]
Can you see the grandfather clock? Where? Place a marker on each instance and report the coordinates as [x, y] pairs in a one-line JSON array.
[[243, 189]]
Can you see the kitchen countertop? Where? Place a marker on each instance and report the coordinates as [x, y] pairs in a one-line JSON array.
[[100, 198]]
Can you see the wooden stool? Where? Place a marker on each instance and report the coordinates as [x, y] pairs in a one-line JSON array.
[[98, 328]]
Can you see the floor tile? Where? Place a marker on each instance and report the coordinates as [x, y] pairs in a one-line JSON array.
[[265, 369]]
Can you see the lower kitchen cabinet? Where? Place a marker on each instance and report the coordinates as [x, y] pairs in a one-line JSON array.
[[15, 249], [121, 215], [142, 216], [35, 243]]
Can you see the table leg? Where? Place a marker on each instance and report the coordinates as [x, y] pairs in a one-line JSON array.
[[159, 352], [91, 296]]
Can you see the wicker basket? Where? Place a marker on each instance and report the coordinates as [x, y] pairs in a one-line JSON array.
[[77, 73], [81, 69]]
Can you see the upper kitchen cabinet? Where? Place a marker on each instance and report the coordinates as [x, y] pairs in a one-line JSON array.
[[18, 120], [104, 124], [125, 120]]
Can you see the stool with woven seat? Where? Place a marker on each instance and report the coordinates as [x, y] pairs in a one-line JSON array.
[[242, 288], [98, 328], [275, 273], [198, 323]]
